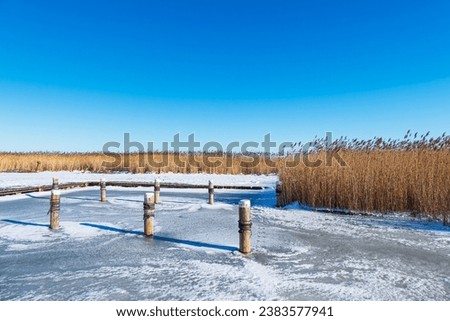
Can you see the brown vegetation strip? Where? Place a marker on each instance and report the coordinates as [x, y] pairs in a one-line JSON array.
[[410, 175], [139, 163]]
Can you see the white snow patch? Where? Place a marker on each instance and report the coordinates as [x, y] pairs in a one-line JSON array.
[[46, 178]]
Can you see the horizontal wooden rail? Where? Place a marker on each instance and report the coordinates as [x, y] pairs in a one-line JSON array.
[[46, 188]]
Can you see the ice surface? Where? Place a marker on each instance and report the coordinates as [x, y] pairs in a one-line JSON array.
[[100, 253], [8, 180]]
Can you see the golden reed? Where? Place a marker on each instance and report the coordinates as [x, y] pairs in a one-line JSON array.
[[410, 175]]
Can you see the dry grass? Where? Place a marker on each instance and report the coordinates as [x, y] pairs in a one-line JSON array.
[[411, 175], [136, 163]]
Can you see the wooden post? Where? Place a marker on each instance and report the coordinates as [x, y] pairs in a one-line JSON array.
[[245, 227], [211, 192], [149, 213], [55, 184], [279, 192], [54, 209], [157, 190], [102, 190]]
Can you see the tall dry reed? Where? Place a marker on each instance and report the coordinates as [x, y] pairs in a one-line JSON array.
[[410, 175]]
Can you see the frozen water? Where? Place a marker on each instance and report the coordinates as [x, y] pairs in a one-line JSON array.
[[8, 180], [100, 253]]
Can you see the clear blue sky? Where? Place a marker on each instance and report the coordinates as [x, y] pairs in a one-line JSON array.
[[76, 74]]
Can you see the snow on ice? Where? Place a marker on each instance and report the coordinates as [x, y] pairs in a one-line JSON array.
[[100, 253]]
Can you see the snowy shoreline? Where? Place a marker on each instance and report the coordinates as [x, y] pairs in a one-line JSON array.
[[10, 180]]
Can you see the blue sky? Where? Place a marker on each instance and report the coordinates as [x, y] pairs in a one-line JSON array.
[[77, 74]]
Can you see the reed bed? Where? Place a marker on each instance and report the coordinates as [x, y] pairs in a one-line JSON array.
[[408, 176], [139, 163], [411, 175]]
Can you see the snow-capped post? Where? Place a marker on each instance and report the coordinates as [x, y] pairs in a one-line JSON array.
[[279, 192], [245, 227], [103, 190], [157, 189], [211, 192], [55, 184], [54, 209], [149, 213]]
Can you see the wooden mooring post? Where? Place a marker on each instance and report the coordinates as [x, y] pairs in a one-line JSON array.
[[149, 213], [157, 190], [279, 193], [55, 201], [245, 227], [55, 184], [211, 192], [102, 190]]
